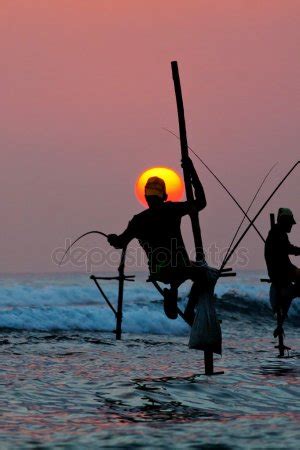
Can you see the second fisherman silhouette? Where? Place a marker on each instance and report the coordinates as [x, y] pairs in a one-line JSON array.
[[284, 275]]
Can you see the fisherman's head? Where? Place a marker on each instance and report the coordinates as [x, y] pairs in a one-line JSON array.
[[155, 191], [285, 219]]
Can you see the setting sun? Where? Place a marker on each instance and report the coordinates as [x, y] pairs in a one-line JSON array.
[[174, 183]]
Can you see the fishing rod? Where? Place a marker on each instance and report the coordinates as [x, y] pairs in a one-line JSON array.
[[253, 200], [76, 240], [220, 182], [225, 261]]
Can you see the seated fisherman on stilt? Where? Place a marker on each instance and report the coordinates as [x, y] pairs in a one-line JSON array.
[[284, 275], [158, 232]]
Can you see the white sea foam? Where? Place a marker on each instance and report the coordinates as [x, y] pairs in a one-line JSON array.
[[73, 303]]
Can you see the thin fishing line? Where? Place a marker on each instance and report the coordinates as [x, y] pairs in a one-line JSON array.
[[249, 207], [258, 214], [220, 182], [80, 237]]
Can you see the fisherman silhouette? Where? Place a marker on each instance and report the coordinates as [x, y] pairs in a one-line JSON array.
[[284, 275], [158, 232]]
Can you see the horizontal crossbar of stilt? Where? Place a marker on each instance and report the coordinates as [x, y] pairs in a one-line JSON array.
[[125, 277], [227, 274]]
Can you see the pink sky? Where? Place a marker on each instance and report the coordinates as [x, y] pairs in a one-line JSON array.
[[86, 88]]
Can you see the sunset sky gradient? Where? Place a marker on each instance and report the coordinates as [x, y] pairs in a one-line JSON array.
[[86, 89]]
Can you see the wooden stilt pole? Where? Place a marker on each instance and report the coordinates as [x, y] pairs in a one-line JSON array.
[[121, 278], [209, 363], [280, 315], [119, 315], [281, 345], [185, 154], [208, 356]]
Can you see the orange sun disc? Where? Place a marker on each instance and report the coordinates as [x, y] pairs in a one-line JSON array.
[[174, 183]]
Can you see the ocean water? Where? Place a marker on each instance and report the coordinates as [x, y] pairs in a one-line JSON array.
[[65, 383]]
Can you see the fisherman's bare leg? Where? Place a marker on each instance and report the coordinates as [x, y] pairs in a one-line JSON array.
[[189, 312], [285, 297], [198, 275], [175, 277], [170, 301]]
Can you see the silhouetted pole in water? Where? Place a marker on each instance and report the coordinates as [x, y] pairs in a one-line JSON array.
[[184, 155], [121, 277], [280, 314], [208, 356]]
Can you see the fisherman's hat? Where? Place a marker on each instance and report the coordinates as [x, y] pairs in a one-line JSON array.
[[286, 212], [155, 186]]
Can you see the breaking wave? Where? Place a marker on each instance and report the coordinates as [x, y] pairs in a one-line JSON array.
[[72, 302]]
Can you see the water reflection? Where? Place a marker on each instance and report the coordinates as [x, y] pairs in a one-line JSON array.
[[76, 390]]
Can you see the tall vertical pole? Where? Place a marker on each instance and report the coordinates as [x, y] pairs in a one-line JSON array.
[[119, 314], [208, 355], [280, 312], [184, 154]]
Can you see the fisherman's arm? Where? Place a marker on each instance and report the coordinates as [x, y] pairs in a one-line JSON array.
[[293, 250], [200, 199], [123, 239]]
